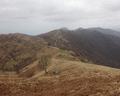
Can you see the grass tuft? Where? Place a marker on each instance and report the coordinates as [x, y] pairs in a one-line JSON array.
[[86, 61], [63, 51]]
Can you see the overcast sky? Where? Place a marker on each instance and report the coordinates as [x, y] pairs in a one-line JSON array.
[[34, 17]]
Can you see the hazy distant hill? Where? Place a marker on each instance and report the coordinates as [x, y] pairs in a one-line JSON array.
[[79, 29], [106, 31], [93, 45], [102, 30]]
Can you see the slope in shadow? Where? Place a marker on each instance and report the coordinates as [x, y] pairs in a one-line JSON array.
[[95, 46]]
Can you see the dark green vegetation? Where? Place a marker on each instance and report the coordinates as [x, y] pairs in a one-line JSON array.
[[19, 50]]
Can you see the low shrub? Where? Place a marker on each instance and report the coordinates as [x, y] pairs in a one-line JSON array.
[[30, 74], [63, 51], [86, 61]]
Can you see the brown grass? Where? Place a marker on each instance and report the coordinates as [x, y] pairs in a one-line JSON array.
[[64, 84], [75, 78]]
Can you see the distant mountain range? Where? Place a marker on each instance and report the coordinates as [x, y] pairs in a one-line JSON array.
[[102, 30]]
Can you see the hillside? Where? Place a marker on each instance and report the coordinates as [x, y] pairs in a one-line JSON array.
[[97, 47], [18, 49]]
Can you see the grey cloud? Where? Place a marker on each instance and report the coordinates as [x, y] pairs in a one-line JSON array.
[[3, 3], [59, 18], [19, 18], [72, 13], [114, 8]]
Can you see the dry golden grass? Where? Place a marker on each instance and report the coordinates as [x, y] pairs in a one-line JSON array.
[[75, 78]]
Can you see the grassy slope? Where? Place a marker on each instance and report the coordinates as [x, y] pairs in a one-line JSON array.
[[75, 78]]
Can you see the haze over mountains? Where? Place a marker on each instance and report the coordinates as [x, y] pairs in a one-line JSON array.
[[102, 30], [101, 46]]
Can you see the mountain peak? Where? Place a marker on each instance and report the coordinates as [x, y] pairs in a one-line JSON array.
[[80, 28], [64, 28]]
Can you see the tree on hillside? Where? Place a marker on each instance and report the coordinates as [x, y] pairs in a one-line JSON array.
[[17, 68], [44, 60]]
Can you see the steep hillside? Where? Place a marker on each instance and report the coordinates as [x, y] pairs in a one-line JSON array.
[[90, 44]]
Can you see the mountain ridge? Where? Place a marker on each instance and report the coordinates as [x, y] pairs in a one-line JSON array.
[[88, 42], [95, 46]]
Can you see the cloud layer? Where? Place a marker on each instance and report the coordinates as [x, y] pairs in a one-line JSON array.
[[39, 16]]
